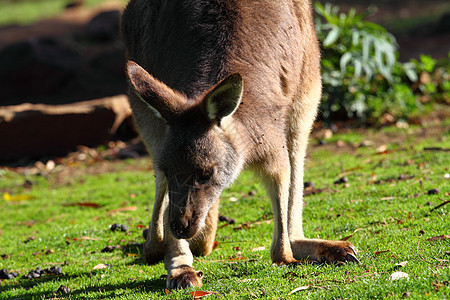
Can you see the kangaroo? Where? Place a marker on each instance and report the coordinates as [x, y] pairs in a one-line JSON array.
[[217, 86]]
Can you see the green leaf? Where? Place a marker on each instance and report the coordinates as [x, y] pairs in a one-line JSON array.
[[332, 37]]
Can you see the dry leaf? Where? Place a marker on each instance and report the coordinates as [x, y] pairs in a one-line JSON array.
[[9, 197], [84, 204], [199, 294], [301, 288], [86, 238], [237, 258], [382, 149], [399, 275], [100, 266], [388, 198], [380, 252], [128, 208], [215, 244], [262, 248], [249, 279], [402, 264], [439, 238]]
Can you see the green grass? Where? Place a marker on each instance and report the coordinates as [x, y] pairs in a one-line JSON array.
[[24, 12], [391, 221]]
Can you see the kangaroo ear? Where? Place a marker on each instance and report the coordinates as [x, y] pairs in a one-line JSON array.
[[224, 98], [159, 96]]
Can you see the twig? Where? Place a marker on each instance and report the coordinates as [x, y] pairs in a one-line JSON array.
[[418, 242], [436, 149], [440, 205]]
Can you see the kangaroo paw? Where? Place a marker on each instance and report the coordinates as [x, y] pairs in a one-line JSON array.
[[336, 251], [184, 277], [324, 251]]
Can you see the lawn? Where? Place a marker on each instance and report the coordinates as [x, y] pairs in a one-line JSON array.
[[59, 215]]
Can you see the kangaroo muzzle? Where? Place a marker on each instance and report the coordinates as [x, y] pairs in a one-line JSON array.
[[184, 223]]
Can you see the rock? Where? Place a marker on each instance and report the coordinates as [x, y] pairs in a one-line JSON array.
[[36, 130], [107, 249], [4, 274], [224, 219], [114, 226], [63, 290], [341, 180], [433, 191]]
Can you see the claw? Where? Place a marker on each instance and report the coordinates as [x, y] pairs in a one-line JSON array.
[[353, 249], [352, 258]]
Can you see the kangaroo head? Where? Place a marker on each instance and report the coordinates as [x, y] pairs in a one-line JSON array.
[[198, 156]]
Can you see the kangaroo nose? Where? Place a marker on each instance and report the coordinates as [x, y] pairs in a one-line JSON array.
[[181, 229]]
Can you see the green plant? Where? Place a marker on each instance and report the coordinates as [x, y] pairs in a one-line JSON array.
[[362, 76]]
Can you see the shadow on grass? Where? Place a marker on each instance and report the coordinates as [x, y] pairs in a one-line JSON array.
[[107, 291], [136, 250]]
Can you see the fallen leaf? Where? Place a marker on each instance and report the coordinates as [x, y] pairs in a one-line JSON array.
[[132, 254], [84, 204], [380, 252], [87, 238], [237, 258], [300, 288], [100, 266], [233, 199], [9, 197], [347, 237], [127, 208], [262, 248], [215, 244], [167, 292], [249, 279], [224, 225], [402, 264], [382, 149], [199, 294], [439, 238], [399, 275], [388, 198]]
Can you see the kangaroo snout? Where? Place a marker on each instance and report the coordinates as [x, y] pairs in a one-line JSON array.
[[183, 222], [181, 228]]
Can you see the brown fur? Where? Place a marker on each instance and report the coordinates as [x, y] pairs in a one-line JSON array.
[[217, 86]]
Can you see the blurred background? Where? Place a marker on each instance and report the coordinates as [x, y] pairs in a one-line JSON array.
[[63, 84]]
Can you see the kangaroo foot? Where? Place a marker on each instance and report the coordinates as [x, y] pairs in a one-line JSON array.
[[324, 251], [337, 251], [184, 277]]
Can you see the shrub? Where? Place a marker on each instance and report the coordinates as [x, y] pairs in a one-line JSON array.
[[362, 76]]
